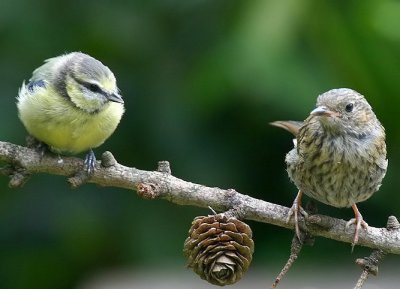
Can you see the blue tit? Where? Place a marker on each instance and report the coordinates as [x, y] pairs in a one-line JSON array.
[[72, 104]]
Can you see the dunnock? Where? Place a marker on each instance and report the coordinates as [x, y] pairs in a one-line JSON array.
[[339, 157]]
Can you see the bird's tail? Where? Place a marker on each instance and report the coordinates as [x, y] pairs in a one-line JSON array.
[[289, 125]]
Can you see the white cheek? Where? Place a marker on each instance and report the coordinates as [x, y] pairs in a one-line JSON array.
[[94, 97], [88, 101]]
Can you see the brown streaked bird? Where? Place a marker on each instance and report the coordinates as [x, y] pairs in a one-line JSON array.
[[339, 154]]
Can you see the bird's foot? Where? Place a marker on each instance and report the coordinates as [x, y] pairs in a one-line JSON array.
[[359, 223], [294, 212], [90, 162]]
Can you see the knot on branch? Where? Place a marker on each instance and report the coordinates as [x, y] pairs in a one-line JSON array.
[[78, 179], [108, 160], [321, 221], [148, 191], [236, 212], [18, 178], [392, 224], [370, 264], [234, 200], [164, 167]]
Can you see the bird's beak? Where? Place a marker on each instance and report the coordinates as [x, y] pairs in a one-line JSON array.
[[323, 111], [115, 97]]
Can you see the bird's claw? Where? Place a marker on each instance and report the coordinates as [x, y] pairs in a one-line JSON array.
[[359, 223], [90, 162], [42, 148], [294, 212]]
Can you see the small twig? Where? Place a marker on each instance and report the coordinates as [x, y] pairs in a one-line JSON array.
[[369, 266], [362, 279], [295, 249], [296, 246]]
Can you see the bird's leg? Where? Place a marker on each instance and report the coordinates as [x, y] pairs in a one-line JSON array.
[[358, 221], [294, 211], [90, 162]]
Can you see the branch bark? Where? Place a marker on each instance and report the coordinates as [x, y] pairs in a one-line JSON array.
[[161, 184]]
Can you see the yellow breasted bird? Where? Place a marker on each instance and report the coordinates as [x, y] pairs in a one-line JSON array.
[[72, 104]]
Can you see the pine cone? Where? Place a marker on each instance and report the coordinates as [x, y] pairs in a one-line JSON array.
[[219, 249]]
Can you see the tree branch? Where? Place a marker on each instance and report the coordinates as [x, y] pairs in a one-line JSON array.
[[161, 184]]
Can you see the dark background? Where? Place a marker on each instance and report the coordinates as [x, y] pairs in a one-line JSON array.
[[201, 81]]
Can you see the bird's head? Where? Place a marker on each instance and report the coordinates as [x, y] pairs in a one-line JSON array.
[[344, 111], [88, 83]]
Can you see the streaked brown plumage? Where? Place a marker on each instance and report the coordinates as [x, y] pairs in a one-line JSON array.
[[339, 156]]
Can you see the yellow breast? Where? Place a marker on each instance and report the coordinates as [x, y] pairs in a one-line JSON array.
[[52, 119]]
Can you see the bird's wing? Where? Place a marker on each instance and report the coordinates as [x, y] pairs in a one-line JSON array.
[[289, 125]]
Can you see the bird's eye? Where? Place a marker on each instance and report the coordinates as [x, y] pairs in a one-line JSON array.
[[94, 87], [349, 107]]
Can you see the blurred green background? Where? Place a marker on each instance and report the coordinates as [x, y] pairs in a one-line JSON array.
[[201, 80]]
